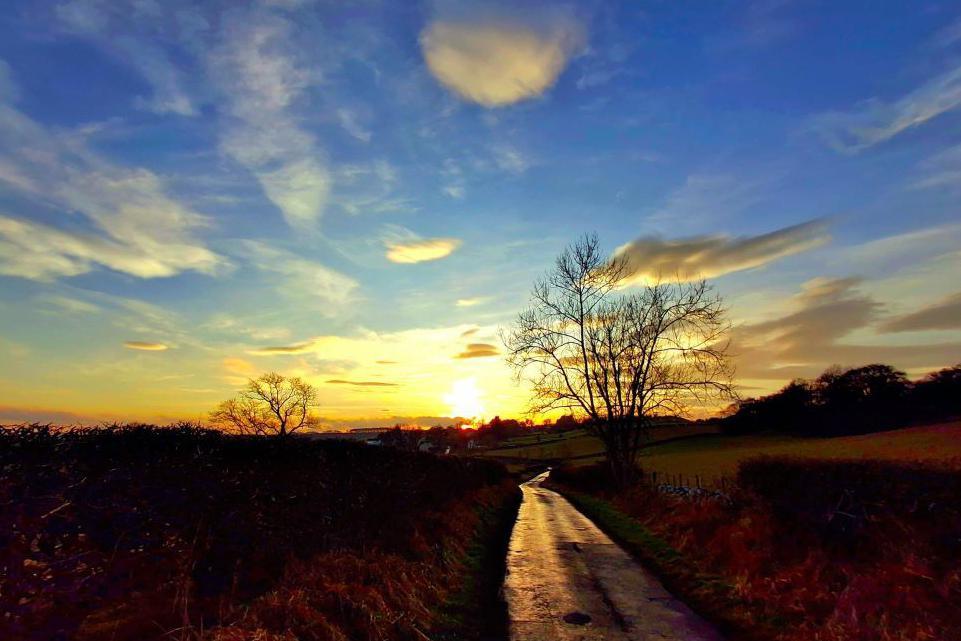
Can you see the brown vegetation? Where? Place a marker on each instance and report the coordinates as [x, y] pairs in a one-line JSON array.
[[144, 532], [805, 549]]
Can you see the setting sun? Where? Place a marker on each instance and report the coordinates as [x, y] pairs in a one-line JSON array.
[[464, 399]]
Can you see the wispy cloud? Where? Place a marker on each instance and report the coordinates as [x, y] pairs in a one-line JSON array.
[[261, 78], [815, 333], [132, 44], [338, 381], [133, 225], [306, 280], [297, 348], [145, 346], [876, 121], [497, 62], [478, 350], [651, 258], [348, 120], [945, 314]]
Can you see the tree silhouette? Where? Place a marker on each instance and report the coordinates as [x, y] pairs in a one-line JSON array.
[[618, 358], [271, 404]]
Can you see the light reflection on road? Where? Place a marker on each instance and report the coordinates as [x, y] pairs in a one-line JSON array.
[[566, 580]]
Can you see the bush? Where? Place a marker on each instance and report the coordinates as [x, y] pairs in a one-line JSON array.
[[139, 530]]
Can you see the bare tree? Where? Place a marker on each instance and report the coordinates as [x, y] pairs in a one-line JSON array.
[[270, 405], [615, 357]]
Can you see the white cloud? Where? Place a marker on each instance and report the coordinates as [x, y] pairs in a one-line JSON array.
[[420, 250], [348, 120], [499, 62], [307, 280], [134, 227], [135, 44], [261, 79], [651, 258], [876, 121], [471, 302], [510, 159]]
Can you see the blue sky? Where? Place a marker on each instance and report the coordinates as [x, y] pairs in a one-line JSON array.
[[362, 193]]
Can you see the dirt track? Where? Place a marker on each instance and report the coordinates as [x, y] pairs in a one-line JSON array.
[[566, 580]]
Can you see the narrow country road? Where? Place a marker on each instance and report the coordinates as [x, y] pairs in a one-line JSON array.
[[566, 580]]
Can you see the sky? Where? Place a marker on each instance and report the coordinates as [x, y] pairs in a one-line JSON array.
[[362, 193]]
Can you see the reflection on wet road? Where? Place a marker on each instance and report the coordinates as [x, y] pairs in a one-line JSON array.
[[566, 580]]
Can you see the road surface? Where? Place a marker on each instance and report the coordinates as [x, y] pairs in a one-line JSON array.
[[567, 581]]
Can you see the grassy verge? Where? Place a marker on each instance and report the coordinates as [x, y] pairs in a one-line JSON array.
[[476, 611], [709, 595]]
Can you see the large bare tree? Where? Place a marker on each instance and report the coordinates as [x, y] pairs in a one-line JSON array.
[[619, 356], [269, 405]]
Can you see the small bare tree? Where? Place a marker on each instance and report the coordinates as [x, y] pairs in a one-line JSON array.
[[618, 358], [270, 405]]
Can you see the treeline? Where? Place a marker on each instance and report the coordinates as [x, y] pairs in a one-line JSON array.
[[852, 401]]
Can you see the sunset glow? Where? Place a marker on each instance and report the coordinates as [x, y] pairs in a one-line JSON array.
[[464, 399], [196, 193]]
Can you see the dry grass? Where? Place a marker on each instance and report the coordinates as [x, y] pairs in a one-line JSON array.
[[832, 550]]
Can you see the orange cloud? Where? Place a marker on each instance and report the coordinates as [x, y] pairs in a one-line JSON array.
[[145, 346], [479, 350]]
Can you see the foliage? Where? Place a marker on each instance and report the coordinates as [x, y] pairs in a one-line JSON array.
[[828, 550], [134, 532], [861, 399]]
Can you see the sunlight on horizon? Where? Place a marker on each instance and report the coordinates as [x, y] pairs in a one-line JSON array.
[[464, 399]]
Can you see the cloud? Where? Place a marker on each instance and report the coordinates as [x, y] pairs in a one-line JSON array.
[[941, 171], [306, 280], [420, 250], [145, 346], [478, 350], [876, 121], [258, 72], [816, 334], [510, 159], [135, 44], [471, 302], [132, 225], [651, 258], [297, 348], [944, 314], [348, 120], [499, 62], [337, 381], [73, 305]]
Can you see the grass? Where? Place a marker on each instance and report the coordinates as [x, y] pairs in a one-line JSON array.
[[709, 594], [714, 457], [831, 549]]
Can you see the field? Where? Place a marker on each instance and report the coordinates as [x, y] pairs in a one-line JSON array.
[[577, 445], [709, 457], [144, 533]]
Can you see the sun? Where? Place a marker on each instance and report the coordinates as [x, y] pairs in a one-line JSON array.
[[464, 399]]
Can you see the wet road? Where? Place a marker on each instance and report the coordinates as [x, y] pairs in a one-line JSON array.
[[567, 581]]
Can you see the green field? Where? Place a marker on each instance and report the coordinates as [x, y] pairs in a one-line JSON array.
[[579, 445], [709, 456]]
